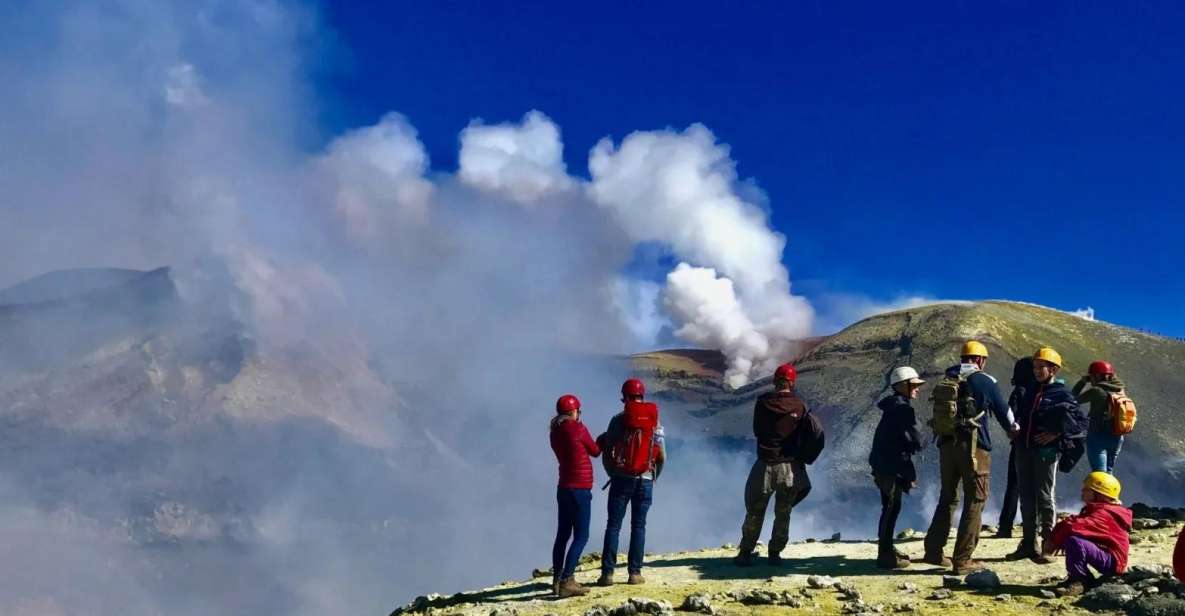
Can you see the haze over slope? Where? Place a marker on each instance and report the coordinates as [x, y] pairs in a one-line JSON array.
[[844, 375]]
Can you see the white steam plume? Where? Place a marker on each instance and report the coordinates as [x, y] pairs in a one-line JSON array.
[[681, 189], [524, 163]]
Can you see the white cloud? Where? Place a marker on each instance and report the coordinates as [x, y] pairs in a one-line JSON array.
[[376, 177], [1084, 313], [523, 162]]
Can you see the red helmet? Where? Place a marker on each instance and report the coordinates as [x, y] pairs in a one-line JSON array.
[[786, 372], [633, 387], [1101, 368], [567, 404]]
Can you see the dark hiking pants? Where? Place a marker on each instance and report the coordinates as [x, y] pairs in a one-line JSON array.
[[956, 472], [1011, 494], [1036, 473], [780, 481], [891, 492], [633, 494]]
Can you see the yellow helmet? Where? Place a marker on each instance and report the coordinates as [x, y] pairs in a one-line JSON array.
[[975, 349], [1049, 355], [1103, 483]]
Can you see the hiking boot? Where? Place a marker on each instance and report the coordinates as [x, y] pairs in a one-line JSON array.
[[606, 579], [571, 588], [743, 559], [964, 568], [1070, 588], [937, 559], [775, 560], [1041, 559], [636, 579], [1004, 533], [891, 561], [1022, 552], [555, 586]]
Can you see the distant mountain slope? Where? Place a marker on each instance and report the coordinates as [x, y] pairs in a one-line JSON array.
[[843, 377], [66, 283]]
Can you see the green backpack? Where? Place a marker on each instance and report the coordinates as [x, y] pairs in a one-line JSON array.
[[954, 407]]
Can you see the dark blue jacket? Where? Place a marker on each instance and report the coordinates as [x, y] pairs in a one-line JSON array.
[[1048, 407], [987, 398], [895, 441]]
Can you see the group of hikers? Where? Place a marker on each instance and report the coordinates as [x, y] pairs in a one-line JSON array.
[[1043, 418]]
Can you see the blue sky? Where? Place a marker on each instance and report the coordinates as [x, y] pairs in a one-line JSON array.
[[1028, 151]]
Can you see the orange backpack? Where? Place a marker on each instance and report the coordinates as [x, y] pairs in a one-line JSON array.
[[1123, 414]]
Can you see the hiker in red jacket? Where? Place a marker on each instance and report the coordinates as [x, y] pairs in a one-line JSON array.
[[572, 445], [1097, 537]]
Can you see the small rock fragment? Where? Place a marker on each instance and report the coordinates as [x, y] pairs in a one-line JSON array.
[[597, 610], [908, 533], [1047, 594], [905, 608], [503, 611], [940, 594], [699, 604], [821, 581], [906, 587], [1005, 598]]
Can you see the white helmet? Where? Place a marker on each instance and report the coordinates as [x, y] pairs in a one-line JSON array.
[[905, 373]]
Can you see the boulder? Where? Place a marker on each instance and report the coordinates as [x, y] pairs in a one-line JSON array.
[[1108, 597], [985, 579], [1146, 523], [1157, 605], [1140, 573]]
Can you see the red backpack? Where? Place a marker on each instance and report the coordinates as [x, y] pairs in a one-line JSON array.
[[634, 453]]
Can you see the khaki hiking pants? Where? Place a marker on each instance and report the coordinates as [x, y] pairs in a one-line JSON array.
[[783, 482], [954, 458]]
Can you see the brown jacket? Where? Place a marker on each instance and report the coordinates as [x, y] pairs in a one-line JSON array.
[[775, 417]]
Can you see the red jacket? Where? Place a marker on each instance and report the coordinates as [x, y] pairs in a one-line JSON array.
[[572, 445], [1105, 524], [1179, 557]]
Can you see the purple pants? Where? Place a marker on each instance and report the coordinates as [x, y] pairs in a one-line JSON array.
[[1081, 555]]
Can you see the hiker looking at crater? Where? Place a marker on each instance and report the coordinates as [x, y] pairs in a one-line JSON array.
[[635, 453], [572, 445], [1104, 392], [893, 445], [788, 438]]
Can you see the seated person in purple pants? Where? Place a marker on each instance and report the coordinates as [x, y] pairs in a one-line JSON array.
[[1095, 538]]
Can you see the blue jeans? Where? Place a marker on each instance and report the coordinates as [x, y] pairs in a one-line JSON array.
[[1101, 450], [575, 507], [635, 493]]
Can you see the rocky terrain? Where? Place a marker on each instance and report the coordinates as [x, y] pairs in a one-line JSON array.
[[837, 576]]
